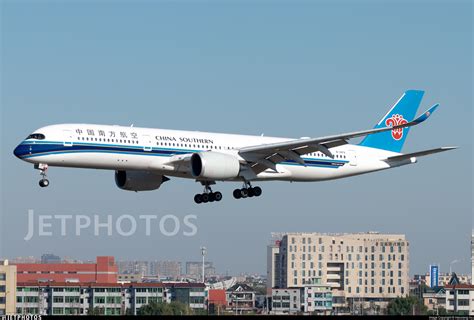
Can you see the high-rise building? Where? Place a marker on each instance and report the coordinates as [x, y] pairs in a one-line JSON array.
[[134, 267], [50, 258], [194, 269], [168, 269], [273, 265], [361, 267], [7, 288]]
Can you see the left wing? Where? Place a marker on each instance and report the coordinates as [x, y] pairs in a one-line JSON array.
[[408, 156], [266, 156]]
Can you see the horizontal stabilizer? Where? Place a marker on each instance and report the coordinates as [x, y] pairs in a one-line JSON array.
[[408, 156]]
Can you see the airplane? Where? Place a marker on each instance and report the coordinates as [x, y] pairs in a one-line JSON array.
[[144, 158]]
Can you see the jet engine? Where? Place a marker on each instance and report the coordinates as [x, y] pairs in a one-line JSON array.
[[214, 166], [138, 180]]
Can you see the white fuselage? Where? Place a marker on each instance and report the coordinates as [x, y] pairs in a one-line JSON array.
[[133, 148]]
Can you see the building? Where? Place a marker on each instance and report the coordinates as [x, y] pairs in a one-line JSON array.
[[286, 301], [105, 298], [129, 277], [362, 269], [460, 299], [29, 259], [273, 265], [443, 279], [135, 267], [8, 276], [194, 269], [50, 258], [317, 297], [434, 298], [472, 257], [217, 301], [241, 299], [168, 269], [314, 298], [103, 271]]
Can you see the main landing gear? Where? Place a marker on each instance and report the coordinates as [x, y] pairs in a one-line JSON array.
[[42, 168], [207, 195], [247, 191]]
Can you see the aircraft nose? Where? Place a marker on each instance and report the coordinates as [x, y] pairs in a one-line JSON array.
[[19, 151]]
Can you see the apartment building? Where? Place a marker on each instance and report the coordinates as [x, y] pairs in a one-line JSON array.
[[361, 268], [7, 288], [106, 298], [460, 299], [314, 298]]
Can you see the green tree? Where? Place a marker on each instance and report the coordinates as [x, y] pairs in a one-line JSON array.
[[163, 308], [406, 306], [441, 312], [96, 311]]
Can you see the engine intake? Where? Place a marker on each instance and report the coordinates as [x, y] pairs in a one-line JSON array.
[[214, 166], [139, 180]]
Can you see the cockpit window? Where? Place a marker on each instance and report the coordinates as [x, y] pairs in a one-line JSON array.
[[37, 136]]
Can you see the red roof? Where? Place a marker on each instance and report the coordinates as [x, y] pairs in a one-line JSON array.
[[460, 286], [217, 296]]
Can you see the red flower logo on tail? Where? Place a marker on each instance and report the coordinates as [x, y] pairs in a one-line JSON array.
[[396, 120]]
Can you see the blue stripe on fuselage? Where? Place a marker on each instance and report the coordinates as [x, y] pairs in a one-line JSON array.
[[43, 148]]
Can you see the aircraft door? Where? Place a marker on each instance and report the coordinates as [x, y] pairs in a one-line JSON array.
[[67, 140], [352, 156], [147, 143]]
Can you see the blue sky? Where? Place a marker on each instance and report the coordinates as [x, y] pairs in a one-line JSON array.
[[286, 68]]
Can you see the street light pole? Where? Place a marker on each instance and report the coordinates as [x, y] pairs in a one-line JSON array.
[[203, 253]]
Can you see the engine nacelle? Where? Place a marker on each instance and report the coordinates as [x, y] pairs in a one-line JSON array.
[[138, 180], [214, 166]]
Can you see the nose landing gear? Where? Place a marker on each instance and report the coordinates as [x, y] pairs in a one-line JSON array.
[[42, 167]]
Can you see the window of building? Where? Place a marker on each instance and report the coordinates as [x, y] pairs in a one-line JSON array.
[[99, 299], [58, 310]]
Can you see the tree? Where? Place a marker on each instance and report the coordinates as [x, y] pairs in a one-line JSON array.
[[96, 311], [406, 306], [440, 311], [163, 308]]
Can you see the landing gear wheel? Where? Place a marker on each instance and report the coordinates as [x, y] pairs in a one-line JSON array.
[[218, 196], [205, 197], [212, 197], [257, 191], [198, 198], [237, 194], [250, 192], [244, 192], [44, 183]]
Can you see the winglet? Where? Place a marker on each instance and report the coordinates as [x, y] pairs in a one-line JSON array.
[[426, 114]]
